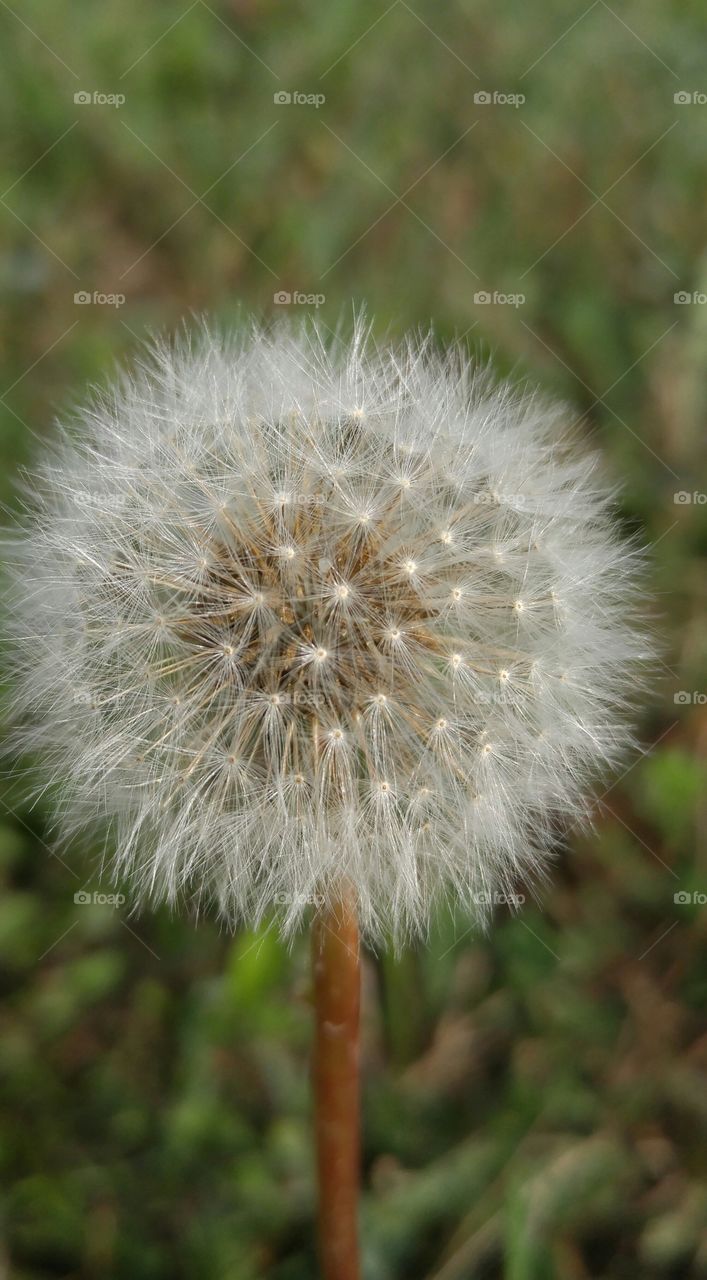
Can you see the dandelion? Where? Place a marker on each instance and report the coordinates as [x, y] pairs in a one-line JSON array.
[[323, 623]]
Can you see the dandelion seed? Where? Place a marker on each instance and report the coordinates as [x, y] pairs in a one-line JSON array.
[[265, 670]]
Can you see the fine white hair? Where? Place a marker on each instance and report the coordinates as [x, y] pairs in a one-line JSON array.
[[299, 611]]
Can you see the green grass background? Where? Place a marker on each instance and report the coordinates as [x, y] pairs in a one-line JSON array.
[[535, 1101]]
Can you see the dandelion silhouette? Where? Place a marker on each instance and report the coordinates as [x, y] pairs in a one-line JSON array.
[[314, 622]]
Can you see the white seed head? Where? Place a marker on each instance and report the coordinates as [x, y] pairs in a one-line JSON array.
[[228, 649]]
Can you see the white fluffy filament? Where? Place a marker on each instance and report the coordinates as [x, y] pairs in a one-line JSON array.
[[293, 612]]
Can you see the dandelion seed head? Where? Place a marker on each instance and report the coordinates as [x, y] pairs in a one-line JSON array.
[[262, 629]]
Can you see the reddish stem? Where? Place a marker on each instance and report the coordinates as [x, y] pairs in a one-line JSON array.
[[337, 988]]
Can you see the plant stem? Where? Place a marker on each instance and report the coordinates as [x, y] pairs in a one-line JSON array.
[[337, 992]]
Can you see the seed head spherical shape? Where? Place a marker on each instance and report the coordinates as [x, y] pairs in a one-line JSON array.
[[295, 612]]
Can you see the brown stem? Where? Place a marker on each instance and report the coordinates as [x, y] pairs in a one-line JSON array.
[[337, 987]]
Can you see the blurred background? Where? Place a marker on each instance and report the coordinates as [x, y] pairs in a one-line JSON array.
[[533, 182]]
